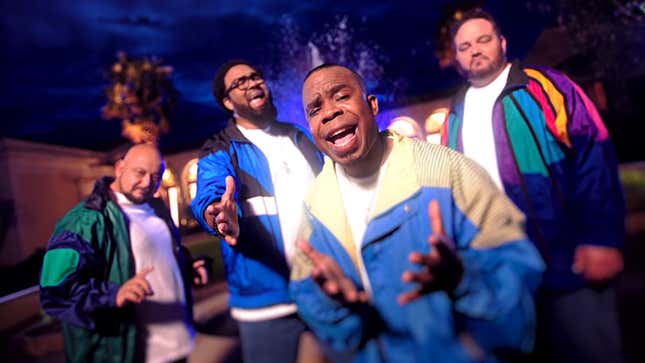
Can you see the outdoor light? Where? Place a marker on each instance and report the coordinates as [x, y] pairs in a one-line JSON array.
[[169, 182], [406, 126], [433, 125]]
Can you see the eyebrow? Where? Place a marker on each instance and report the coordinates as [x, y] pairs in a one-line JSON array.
[[336, 88], [317, 100]]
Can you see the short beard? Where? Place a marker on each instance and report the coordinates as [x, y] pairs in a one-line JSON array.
[[492, 69], [269, 112], [131, 197]]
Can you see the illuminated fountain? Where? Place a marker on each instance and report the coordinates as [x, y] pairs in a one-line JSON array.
[[296, 55]]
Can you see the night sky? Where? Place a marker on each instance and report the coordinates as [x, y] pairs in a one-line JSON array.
[[55, 56]]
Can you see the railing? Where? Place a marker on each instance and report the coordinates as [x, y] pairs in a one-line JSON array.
[[19, 307]]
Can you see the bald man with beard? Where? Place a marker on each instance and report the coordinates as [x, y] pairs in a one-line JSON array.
[[115, 272]]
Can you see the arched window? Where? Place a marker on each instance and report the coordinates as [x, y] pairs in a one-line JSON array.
[[170, 193], [406, 126], [433, 125], [189, 187], [189, 178]]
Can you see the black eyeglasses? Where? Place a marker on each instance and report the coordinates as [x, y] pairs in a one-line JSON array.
[[243, 82]]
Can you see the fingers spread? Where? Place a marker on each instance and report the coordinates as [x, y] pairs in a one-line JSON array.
[[428, 260], [424, 277], [409, 296], [436, 221]]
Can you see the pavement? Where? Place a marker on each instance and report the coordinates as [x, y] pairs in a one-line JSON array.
[[217, 336]]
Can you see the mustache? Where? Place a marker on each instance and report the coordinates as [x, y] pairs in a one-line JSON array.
[[478, 57]]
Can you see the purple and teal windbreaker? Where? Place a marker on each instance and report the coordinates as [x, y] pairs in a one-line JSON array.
[[557, 164]]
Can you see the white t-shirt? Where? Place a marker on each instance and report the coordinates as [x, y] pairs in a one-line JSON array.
[[477, 128], [359, 201], [163, 316], [291, 176]]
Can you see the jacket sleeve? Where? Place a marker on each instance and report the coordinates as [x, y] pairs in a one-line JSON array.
[[597, 194], [502, 268], [73, 283], [343, 328], [212, 171]]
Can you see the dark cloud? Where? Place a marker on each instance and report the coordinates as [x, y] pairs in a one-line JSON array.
[[55, 54]]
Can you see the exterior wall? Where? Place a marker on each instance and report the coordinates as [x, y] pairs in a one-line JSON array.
[[42, 182]]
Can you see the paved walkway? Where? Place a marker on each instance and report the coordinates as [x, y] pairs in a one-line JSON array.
[[217, 337]]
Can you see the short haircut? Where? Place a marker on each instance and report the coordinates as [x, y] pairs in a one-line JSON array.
[[360, 79], [476, 13], [219, 86]]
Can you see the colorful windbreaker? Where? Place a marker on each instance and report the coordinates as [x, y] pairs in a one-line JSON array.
[[88, 258], [492, 308], [257, 271], [556, 163]]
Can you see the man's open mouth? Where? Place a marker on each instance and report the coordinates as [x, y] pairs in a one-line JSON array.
[[342, 137], [257, 98]]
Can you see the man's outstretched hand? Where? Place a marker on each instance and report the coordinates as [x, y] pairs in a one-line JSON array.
[[442, 269], [135, 289], [331, 278], [222, 215]]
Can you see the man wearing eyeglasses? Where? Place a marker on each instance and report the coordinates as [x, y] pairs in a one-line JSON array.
[[251, 181]]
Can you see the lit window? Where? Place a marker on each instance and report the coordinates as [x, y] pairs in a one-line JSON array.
[[406, 126], [433, 125], [189, 188], [171, 193], [190, 178]]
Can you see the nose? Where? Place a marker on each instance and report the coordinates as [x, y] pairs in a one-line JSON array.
[[330, 113], [254, 83], [475, 51], [146, 180]]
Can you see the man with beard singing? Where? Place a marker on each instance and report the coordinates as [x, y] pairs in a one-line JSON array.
[[251, 180]]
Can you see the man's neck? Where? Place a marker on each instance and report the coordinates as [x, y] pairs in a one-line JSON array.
[[252, 123], [373, 161], [483, 82]]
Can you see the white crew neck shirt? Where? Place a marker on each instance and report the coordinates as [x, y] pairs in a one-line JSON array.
[[291, 176], [162, 316], [477, 129], [359, 201]]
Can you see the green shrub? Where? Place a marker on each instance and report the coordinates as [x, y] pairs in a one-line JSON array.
[[633, 179], [211, 248]]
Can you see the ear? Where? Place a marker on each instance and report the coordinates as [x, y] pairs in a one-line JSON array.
[[372, 101], [502, 41], [118, 168], [228, 104]]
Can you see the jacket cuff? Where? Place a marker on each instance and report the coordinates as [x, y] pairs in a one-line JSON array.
[[113, 290]]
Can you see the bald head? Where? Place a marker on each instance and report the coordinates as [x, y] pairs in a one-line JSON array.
[[138, 174]]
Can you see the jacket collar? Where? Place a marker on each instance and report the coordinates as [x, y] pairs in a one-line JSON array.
[[324, 200], [100, 194], [516, 77]]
